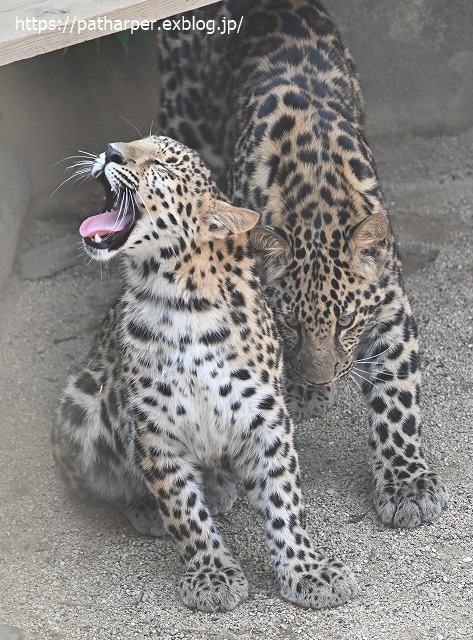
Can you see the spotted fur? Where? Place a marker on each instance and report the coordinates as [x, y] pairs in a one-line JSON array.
[[181, 395], [276, 110]]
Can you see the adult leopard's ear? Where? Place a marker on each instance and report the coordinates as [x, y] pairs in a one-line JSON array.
[[274, 251], [223, 219], [368, 245]]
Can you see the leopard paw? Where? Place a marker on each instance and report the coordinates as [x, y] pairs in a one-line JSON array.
[[212, 584], [328, 583], [411, 502], [304, 402]]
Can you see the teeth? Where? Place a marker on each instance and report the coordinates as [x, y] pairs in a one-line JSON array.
[[97, 238]]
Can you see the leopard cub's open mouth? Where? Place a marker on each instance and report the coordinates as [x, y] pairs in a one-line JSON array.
[[112, 226]]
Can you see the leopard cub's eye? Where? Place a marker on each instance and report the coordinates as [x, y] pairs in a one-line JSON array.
[[346, 321]]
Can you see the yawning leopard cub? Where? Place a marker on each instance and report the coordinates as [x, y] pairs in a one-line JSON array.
[[182, 389]]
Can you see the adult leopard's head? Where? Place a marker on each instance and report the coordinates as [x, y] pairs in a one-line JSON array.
[[159, 197], [324, 286]]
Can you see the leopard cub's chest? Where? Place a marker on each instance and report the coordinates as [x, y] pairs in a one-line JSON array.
[[194, 382]]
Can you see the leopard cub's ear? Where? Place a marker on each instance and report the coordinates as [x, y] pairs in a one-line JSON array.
[[273, 250], [368, 245], [223, 219]]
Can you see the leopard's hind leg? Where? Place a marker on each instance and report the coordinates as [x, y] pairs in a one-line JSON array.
[[94, 451]]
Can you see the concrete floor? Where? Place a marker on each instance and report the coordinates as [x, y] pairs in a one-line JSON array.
[[75, 572]]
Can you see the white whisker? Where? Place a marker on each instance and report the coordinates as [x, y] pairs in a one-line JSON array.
[[93, 156], [150, 216], [120, 200], [81, 172], [376, 373], [83, 163], [87, 153], [81, 180], [63, 183], [132, 125], [81, 169], [356, 382], [374, 356], [363, 378], [370, 371]]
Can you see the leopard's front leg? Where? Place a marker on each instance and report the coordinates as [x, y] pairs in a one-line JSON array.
[[306, 577], [213, 580], [406, 491]]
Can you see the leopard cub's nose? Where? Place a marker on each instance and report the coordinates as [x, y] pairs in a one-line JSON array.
[[113, 155]]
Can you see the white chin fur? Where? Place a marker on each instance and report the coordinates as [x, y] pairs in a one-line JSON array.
[[99, 254]]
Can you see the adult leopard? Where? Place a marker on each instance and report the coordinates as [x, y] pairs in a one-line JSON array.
[[181, 394], [276, 111]]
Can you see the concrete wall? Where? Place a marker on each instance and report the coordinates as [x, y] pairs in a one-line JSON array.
[[54, 104], [415, 58]]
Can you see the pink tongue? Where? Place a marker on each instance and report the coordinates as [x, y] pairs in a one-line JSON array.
[[103, 224]]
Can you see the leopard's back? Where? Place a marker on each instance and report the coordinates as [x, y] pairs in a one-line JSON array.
[[210, 84]]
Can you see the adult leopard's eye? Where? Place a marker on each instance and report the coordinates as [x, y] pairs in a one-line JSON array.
[[346, 321], [292, 322]]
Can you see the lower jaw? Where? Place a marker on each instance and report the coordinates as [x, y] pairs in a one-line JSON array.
[[98, 254], [109, 245]]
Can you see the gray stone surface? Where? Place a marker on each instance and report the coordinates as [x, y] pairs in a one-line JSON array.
[[7, 632], [48, 258], [75, 572]]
